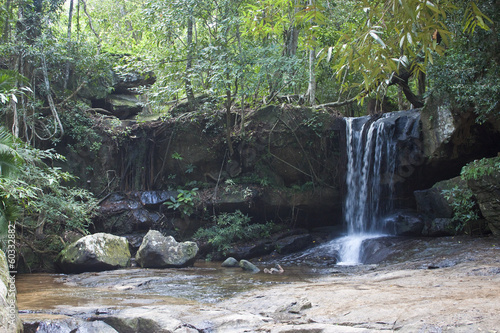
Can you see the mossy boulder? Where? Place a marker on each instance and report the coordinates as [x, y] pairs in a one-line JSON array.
[[124, 106], [230, 262], [94, 253], [158, 251], [248, 266]]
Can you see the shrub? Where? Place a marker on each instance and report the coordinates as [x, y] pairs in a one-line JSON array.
[[480, 168], [230, 228], [464, 207]]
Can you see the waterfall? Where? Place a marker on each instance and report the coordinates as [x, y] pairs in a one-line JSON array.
[[370, 169], [371, 165]]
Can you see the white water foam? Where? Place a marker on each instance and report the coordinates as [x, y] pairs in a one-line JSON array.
[[349, 248]]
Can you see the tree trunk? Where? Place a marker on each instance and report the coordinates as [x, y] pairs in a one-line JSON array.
[[6, 29], [189, 63], [421, 83], [292, 41], [400, 99], [311, 89], [78, 20], [70, 18], [228, 115]]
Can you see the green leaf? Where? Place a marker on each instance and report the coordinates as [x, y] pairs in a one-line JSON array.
[[433, 7], [373, 33]]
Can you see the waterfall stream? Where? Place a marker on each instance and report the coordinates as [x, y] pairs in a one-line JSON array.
[[371, 166]]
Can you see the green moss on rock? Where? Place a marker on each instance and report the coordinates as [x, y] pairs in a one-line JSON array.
[[95, 252]]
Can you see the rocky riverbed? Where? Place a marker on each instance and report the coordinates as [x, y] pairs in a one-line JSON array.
[[447, 284]]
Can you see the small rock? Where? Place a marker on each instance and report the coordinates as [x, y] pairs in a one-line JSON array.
[[230, 262], [157, 319], [442, 264], [248, 266], [297, 307]]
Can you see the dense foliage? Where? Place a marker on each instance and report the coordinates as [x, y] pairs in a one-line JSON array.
[[239, 53], [38, 197], [251, 51]]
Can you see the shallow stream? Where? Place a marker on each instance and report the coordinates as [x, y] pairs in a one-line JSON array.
[[203, 283]]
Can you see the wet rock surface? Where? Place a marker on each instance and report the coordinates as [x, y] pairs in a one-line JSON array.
[[66, 324], [128, 212], [447, 284]]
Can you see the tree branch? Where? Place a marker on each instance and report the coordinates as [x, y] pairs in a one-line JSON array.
[[337, 104], [99, 40], [69, 97]]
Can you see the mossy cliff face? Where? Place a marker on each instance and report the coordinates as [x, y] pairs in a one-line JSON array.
[[289, 157], [287, 164]]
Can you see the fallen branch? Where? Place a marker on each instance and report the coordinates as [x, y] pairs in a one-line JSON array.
[[99, 110]]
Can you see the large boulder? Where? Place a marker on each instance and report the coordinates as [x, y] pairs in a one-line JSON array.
[[248, 266], [439, 123], [158, 251], [440, 226], [124, 106], [436, 209], [127, 83], [487, 191], [433, 204], [251, 250], [230, 262], [94, 253]]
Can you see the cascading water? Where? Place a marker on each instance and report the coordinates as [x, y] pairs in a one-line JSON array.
[[371, 165], [381, 153], [371, 160]]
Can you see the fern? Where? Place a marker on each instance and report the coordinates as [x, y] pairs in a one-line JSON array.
[[230, 228]]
